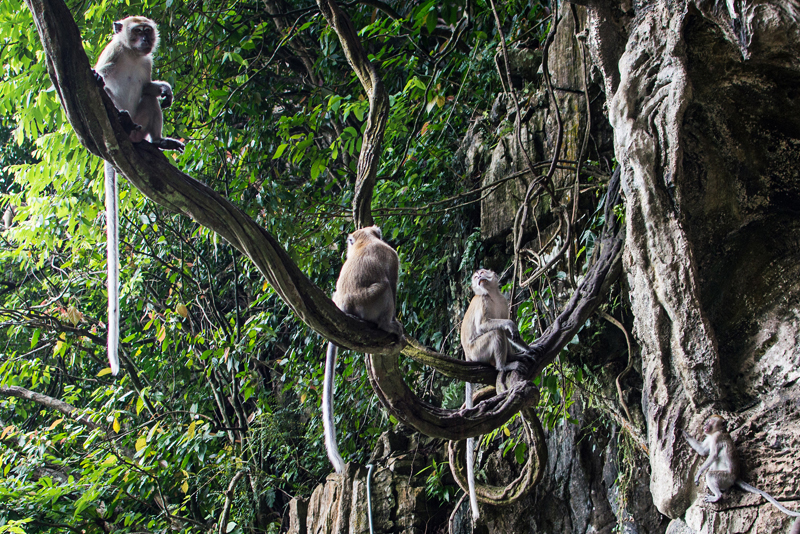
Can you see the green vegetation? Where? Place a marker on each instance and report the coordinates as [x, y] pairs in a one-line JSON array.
[[221, 381]]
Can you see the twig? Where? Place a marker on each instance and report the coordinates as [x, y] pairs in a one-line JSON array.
[[226, 508], [49, 402]]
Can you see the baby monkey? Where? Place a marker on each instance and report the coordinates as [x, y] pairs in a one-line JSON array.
[[125, 68], [722, 465]]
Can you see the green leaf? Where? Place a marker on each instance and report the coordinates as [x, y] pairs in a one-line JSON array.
[[280, 150], [430, 22]]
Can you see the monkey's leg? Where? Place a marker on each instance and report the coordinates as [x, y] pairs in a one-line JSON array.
[[712, 483], [112, 255]]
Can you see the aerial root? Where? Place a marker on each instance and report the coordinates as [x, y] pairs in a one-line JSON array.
[[531, 473]]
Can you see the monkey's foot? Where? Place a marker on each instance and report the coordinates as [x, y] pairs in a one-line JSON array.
[[168, 143], [712, 498], [127, 122]]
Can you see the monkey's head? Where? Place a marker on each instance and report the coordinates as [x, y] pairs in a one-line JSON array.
[[362, 236], [715, 423], [483, 280], [140, 34]]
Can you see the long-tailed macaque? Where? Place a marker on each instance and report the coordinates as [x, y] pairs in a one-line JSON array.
[[722, 465], [366, 288], [486, 333], [125, 69]]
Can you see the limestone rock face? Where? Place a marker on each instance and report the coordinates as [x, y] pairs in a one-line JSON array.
[[399, 501], [698, 102], [706, 118], [703, 103]]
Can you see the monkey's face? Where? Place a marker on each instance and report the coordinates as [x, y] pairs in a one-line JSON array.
[[715, 423], [483, 280], [142, 38], [137, 33]]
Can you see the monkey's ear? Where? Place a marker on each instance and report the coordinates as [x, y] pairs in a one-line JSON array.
[[117, 26], [377, 230]]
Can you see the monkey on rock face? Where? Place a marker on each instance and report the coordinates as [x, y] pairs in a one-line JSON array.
[[486, 333], [722, 465], [125, 69], [366, 288]]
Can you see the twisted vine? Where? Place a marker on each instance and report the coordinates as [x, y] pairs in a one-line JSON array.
[[94, 120]]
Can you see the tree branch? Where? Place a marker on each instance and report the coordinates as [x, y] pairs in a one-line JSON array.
[[49, 402], [94, 119], [371, 146]]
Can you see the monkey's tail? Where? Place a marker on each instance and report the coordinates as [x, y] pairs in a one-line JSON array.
[[112, 254], [327, 411], [473, 499], [747, 487]]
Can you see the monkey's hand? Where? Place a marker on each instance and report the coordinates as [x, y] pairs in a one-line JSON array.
[[99, 79], [127, 122], [167, 94], [511, 329], [161, 90], [697, 480]]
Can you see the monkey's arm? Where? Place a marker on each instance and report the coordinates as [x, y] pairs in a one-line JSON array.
[[701, 448], [366, 294], [712, 457], [159, 88], [487, 325]]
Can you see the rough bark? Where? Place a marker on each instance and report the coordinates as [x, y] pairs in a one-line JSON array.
[[368, 159]]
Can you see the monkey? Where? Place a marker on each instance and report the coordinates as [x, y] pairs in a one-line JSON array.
[[722, 465], [125, 68], [486, 336], [367, 289]]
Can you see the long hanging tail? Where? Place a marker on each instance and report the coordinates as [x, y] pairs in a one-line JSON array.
[[327, 411], [112, 252], [473, 499], [747, 487]]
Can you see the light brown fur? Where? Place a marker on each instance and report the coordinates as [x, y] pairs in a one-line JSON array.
[[366, 288], [125, 69], [367, 283], [486, 326]]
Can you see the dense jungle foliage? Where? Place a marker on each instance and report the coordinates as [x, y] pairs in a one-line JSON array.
[[221, 382]]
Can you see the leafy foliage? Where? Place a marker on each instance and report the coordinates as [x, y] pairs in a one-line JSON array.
[[220, 377]]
